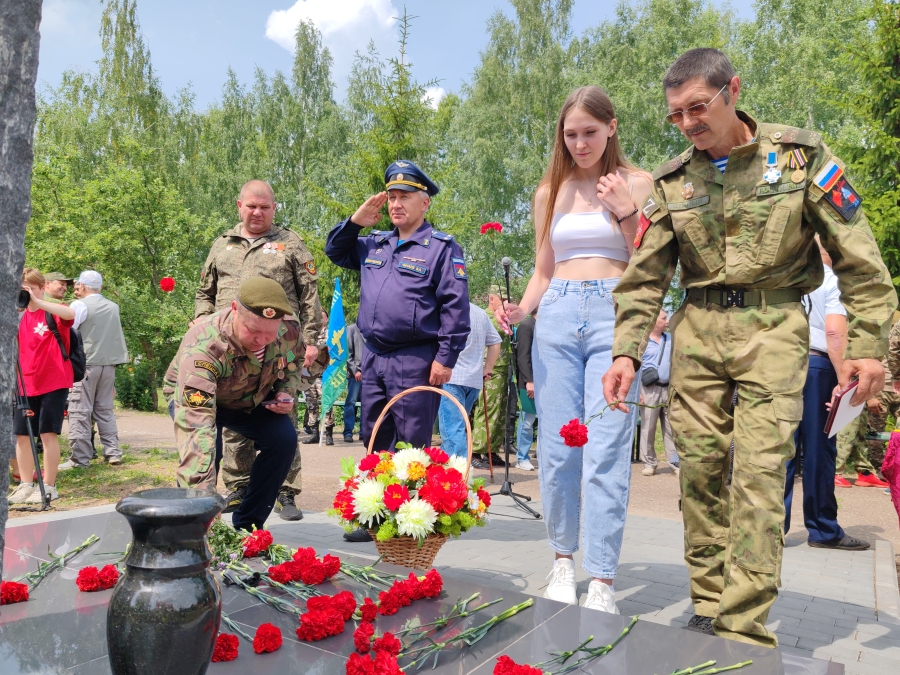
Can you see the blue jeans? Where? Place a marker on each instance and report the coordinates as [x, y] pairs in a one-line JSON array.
[[524, 434], [572, 350], [820, 510], [453, 427], [353, 389]]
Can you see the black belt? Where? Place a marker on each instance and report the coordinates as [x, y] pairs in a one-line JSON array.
[[728, 297], [818, 352]]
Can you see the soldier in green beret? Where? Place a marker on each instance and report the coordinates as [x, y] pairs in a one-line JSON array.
[[258, 247], [238, 369], [738, 211]]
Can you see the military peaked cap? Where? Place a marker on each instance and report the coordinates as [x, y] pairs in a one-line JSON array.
[[404, 175]]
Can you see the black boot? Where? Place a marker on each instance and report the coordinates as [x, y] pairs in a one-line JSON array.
[[329, 440], [285, 507], [234, 499], [700, 624], [312, 440], [358, 535]]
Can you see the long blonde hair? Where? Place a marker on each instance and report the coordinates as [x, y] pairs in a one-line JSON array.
[[595, 102]]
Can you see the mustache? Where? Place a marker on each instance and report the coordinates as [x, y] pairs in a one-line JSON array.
[[696, 130]]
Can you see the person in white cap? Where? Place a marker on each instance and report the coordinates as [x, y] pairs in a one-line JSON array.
[[97, 319]]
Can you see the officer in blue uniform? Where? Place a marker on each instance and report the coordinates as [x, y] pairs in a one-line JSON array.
[[414, 304]]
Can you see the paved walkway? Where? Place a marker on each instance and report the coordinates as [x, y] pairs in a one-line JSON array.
[[835, 606]]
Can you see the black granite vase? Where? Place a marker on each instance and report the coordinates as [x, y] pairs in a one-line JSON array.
[[164, 613]]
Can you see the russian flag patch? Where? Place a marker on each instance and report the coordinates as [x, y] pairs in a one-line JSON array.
[[828, 177]]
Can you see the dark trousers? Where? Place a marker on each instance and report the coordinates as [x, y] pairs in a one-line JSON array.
[[276, 439], [353, 389], [819, 457], [412, 418]]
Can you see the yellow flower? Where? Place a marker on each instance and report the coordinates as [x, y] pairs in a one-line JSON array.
[[384, 466], [416, 470]]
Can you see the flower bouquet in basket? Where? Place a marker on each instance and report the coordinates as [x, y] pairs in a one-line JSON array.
[[414, 495]]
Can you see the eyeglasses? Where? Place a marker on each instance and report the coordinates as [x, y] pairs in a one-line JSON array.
[[694, 111]]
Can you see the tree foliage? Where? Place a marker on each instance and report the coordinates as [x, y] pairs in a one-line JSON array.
[[137, 184]]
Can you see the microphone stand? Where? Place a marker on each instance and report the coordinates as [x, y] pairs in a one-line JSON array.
[[511, 417]]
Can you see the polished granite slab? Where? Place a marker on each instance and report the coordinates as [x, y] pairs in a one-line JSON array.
[[63, 631]]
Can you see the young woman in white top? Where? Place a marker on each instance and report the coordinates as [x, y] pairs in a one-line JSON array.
[[586, 215]]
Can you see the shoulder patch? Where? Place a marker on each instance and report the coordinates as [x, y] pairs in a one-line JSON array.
[[845, 200], [194, 398], [669, 167], [442, 236], [208, 366], [310, 267], [650, 207], [797, 136], [459, 268]]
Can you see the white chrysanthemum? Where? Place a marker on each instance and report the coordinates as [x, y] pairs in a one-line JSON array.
[[369, 501], [460, 462], [473, 500], [416, 518], [403, 458]]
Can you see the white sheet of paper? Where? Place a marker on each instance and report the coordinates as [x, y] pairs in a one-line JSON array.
[[845, 413]]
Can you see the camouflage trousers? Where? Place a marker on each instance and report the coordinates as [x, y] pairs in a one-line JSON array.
[[734, 538], [496, 391], [314, 402], [238, 454]]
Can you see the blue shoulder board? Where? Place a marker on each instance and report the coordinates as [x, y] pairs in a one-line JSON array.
[[443, 236]]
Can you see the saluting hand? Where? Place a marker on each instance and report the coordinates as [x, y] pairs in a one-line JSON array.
[[369, 214], [440, 374]]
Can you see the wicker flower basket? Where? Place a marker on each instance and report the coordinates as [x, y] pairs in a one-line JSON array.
[[406, 551]]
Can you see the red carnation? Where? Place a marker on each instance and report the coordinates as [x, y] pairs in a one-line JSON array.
[[388, 643], [319, 603], [388, 603], [226, 648], [368, 610], [369, 462], [343, 502], [313, 625], [362, 637], [109, 577], [167, 284], [267, 639], [313, 574], [88, 579], [332, 564], [304, 556], [487, 227], [506, 666], [345, 604], [257, 543], [574, 434], [359, 664], [484, 496], [12, 592], [432, 584], [395, 495], [437, 455], [386, 664], [414, 587], [444, 489], [280, 574]]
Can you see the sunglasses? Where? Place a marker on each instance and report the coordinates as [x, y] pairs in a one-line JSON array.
[[694, 111]]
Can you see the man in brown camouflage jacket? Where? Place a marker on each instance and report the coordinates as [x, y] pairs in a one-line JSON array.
[[256, 247], [238, 369]]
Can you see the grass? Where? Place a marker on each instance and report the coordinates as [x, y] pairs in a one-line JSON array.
[[100, 483]]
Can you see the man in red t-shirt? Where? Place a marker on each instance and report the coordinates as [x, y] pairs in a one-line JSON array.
[[47, 378]]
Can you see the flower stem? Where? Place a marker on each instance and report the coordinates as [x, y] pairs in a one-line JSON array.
[[599, 651], [233, 626], [712, 671], [57, 562], [694, 669], [615, 403]]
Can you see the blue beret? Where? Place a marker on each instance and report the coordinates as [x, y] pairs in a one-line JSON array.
[[404, 175]]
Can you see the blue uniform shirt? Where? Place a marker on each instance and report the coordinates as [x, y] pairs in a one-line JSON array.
[[410, 293]]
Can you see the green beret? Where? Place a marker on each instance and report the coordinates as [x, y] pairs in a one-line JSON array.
[[265, 298]]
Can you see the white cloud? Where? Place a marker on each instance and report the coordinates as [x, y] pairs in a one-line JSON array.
[[433, 96], [357, 21]]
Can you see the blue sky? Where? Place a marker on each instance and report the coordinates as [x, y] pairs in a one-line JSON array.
[[195, 41]]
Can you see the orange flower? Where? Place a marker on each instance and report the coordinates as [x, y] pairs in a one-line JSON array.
[[416, 470], [384, 466]]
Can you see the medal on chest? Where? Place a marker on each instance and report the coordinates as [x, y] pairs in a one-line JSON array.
[[772, 174]]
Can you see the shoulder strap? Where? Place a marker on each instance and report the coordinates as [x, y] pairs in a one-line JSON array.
[[51, 324], [662, 349]]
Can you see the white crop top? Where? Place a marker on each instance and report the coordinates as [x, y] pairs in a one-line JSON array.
[[589, 234]]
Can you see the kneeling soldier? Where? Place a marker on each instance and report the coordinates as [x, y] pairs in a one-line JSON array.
[[238, 369]]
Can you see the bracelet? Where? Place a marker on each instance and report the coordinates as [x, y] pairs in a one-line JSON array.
[[633, 213]]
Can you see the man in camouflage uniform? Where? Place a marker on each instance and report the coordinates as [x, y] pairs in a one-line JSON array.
[[312, 390], [234, 371], [256, 247], [496, 392], [738, 210]]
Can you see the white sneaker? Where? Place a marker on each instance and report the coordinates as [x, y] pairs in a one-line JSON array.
[[648, 471], [35, 497], [562, 582], [525, 465], [65, 466], [602, 597], [21, 493]]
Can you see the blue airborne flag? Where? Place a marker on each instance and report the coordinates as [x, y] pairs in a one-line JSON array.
[[334, 379]]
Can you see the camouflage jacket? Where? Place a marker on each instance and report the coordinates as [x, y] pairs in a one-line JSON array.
[[280, 255], [750, 228], [212, 369], [892, 367]]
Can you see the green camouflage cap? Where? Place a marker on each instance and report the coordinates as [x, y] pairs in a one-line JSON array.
[[58, 276], [265, 298], [495, 290]]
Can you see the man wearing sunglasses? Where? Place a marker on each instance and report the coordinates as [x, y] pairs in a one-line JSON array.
[[739, 210]]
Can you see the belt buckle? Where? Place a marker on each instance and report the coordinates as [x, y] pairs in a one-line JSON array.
[[734, 299]]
